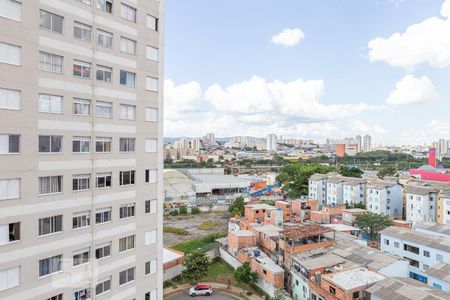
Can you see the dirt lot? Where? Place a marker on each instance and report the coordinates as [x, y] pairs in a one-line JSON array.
[[219, 221]]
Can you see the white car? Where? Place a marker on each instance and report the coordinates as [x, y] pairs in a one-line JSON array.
[[201, 290]]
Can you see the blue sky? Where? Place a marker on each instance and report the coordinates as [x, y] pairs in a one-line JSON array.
[[225, 74]]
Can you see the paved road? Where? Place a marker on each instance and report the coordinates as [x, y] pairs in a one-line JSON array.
[[215, 296]]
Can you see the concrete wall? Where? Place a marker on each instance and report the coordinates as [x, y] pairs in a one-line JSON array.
[[173, 272]]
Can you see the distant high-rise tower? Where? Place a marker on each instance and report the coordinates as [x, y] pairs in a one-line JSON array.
[[442, 146], [367, 146], [358, 141], [211, 140], [272, 142]]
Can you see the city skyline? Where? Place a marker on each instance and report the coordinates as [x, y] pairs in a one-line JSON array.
[[282, 75]]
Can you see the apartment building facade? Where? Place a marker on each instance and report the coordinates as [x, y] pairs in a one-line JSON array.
[[317, 188], [81, 149], [421, 204], [384, 197]]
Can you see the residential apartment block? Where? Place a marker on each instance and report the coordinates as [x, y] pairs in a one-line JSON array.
[[384, 197], [81, 149], [421, 204]]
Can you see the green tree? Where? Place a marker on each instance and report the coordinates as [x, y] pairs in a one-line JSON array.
[[174, 212], [237, 207], [244, 275], [195, 210], [282, 177], [228, 170], [196, 266], [387, 171], [372, 224], [278, 295], [183, 210], [350, 171], [297, 182]]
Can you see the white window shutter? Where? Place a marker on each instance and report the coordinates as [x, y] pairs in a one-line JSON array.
[[4, 143], [153, 295], [4, 234], [151, 114], [14, 189], [153, 267], [151, 83], [150, 237]]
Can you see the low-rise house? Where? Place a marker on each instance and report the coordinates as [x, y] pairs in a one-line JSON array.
[[172, 263], [384, 197], [301, 209], [349, 215], [257, 212], [433, 229], [286, 208], [354, 191], [267, 236], [269, 271], [347, 229], [328, 214], [421, 204], [239, 239], [439, 276]]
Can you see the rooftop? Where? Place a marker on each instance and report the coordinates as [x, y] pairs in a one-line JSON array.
[[207, 182], [242, 233], [305, 231], [327, 260], [380, 184], [420, 190], [261, 206], [317, 176], [341, 227], [170, 255], [352, 279], [354, 210], [353, 181], [438, 229], [269, 264], [267, 229], [440, 271]]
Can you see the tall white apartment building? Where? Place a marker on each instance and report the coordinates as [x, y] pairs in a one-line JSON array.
[[384, 197], [354, 191], [81, 149], [421, 204], [317, 188], [335, 190], [272, 142]]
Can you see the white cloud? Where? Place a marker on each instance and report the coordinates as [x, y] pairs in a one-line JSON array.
[[426, 42], [412, 90], [288, 37]]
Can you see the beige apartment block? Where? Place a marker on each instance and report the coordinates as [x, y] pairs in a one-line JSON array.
[[81, 149]]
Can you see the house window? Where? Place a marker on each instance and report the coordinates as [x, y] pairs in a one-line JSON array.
[[81, 69], [50, 265], [10, 278], [426, 253], [152, 53], [104, 38], [103, 250], [81, 257], [104, 73], [151, 145], [152, 23], [150, 295], [151, 176], [50, 103], [88, 2], [81, 144], [332, 290], [127, 45], [105, 5], [127, 210], [151, 84], [9, 233], [9, 143], [82, 294], [150, 206], [103, 180], [128, 13], [81, 107], [82, 31], [151, 114], [150, 237], [126, 177], [127, 144], [50, 143], [10, 54], [81, 219], [51, 22], [396, 245], [437, 286], [50, 62], [126, 276], [103, 144], [103, 215], [11, 9], [127, 112], [50, 185], [150, 267], [81, 182], [126, 243], [103, 109], [56, 297], [103, 286], [127, 78], [386, 241], [50, 225], [10, 99], [439, 258]]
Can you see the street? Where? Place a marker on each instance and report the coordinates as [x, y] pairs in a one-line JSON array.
[[215, 296]]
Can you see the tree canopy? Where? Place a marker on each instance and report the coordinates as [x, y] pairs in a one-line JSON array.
[[237, 207], [387, 171], [196, 265], [372, 224], [245, 275]]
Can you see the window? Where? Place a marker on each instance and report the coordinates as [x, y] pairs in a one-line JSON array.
[[81, 107], [103, 180], [151, 145], [81, 219], [82, 31], [150, 267], [50, 265], [396, 245], [127, 45], [105, 5], [50, 225], [103, 250], [386, 241], [437, 286], [151, 114], [127, 112], [151, 176], [56, 297], [103, 286], [152, 23], [151, 84], [11, 9], [88, 2], [50, 103], [425, 267], [103, 109], [81, 144], [50, 185], [150, 237], [152, 53], [9, 278], [82, 294], [127, 144], [127, 78], [51, 22], [81, 182], [104, 73], [127, 210], [103, 144], [126, 276], [439, 258], [10, 99], [103, 215], [128, 13], [426, 253], [150, 295], [332, 290], [126, 177], [81, 257], [50, 143], [9, 233], [150, 206], [81, 69], [50, 62], [9, 143], [126, 243], [10, 54], [104, 38]]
